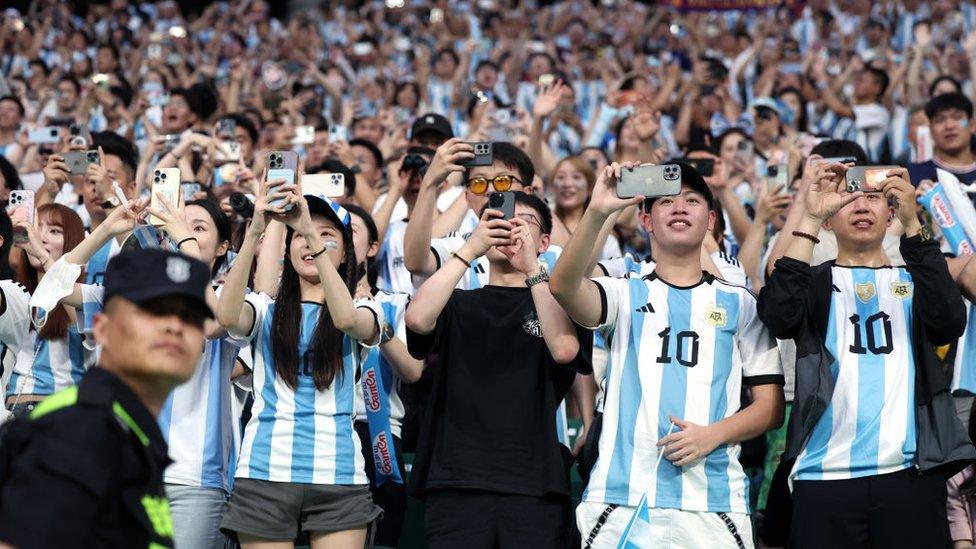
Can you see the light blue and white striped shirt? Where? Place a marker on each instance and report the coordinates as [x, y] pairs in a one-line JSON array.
[[869, 425], [302, 435], [682, 352]]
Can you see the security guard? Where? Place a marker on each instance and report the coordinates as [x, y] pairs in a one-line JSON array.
[[86, 469]]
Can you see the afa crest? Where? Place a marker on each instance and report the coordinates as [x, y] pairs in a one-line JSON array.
[[901, 290], [716, 316], [865, 292]]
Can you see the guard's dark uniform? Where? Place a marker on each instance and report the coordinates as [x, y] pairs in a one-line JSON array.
[[86, 471]]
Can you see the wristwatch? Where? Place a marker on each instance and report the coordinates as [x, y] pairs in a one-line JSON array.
[[543, 276]]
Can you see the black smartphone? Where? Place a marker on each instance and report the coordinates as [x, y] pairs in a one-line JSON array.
[[704, 166], [503, 202], [483, 155]]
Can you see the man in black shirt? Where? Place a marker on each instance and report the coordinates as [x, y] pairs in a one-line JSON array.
[[86, 469], [488, 461]]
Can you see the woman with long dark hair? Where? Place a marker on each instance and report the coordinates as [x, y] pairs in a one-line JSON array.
[[300, 465], [51, 357]]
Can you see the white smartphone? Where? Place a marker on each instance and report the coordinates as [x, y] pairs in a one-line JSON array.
[[44, 135], [20, 207], [166, 182], [332, 185], [231, 151], [304, 135]]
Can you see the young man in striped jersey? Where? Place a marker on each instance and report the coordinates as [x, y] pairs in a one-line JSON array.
[[873, 434], [682, 344]]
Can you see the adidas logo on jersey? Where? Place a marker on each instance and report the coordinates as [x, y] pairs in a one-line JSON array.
[[645, 309]]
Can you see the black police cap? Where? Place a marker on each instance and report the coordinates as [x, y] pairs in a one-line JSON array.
[[143, 275]]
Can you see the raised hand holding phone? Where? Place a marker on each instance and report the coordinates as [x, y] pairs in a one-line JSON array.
[[604, 200], [492, 230]]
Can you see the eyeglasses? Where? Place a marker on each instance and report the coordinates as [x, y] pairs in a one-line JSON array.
[[530, 219], [501, 183]]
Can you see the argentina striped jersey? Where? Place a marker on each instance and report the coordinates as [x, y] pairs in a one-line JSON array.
[[301, 435], [869, 425], [196, 419], [40, 366], [394, 307], [682, 352]]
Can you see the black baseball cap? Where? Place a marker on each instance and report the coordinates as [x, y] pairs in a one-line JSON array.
[[692, 179], [145, 274], [431, 123]]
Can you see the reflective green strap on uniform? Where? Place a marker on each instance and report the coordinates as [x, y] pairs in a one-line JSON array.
[[127, 419], [61, 399], [69, 397]]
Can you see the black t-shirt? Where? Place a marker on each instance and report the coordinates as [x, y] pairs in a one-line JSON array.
[[491, 419]]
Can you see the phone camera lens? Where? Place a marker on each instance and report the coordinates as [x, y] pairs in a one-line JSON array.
[[495, 200]]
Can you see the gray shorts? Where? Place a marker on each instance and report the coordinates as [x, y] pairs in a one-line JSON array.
[[276, 510]]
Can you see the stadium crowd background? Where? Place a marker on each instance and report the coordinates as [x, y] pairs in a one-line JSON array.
[[370, 90]]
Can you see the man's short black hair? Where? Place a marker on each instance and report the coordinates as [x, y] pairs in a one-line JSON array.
[[512, 157], [881, 76], [201, 99], [332, 165], [16, 100], [71, 80], [115, 144], [486, 63], [244, 122], [840, 148], [944, 78], [700, 147], [540, 207], [373, 150], [948, 102]]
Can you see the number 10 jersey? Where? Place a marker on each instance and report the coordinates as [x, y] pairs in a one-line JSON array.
[[681, 352], [869, 425]]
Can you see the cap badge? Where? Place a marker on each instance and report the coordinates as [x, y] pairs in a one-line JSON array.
[[178, 270], [429, 119]]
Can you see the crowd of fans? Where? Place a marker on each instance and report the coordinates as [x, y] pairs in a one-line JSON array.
[[382, 329]]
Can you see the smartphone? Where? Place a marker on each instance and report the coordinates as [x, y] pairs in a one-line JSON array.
[[20, 207], [190, 189], [546, 79], [704, 166], [287, 174], [283, 160], [338, 132], [745, 151], [649, 181], [436, 15], [483, 155], [166, 182], [332, 185], [158, 99], [45, 134], [304, 135], [778, 174], [101, 80], [867, 178], [78, 161], [231, 152], [226, 126], [503, 202], [791, 68]]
